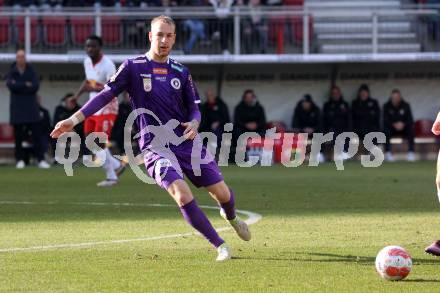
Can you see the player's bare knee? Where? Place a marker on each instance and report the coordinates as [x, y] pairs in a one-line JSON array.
[[180, 192], [220, 192]]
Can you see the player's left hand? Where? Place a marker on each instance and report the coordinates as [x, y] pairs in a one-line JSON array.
[[191, 129]]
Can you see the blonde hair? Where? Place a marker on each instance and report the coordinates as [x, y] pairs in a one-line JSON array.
[[165, 19]]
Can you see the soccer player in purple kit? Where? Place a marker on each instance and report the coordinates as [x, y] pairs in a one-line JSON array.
[[434, 248], [165, 87]]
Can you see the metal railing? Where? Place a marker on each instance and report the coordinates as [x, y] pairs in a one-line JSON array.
[[242, 31]]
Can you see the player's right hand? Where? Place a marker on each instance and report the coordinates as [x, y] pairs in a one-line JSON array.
[[436, 127], [61, 127]]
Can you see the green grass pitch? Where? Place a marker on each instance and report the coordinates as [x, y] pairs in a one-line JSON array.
[[320, 231]]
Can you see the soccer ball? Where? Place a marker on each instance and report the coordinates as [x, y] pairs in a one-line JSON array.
[[393, 263]]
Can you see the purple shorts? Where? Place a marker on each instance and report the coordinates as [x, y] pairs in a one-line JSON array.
[[165, 168]]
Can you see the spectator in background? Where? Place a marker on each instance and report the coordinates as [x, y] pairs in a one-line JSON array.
[[365, 113], [215, 115], [52, 4], [67, 107], [398, 121], [196, 30], [255, 29], [307, 116], [20, 4], [46, 127], [78, 3], [223, 10], [118, 128], [23, 84], [194, 27], [336, 117], [307, 119], [249, 115]]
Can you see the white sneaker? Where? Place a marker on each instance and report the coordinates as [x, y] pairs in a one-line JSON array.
[[338, 157], [107, 183], [20, 164], [239, 226], [321, 158], [411, 157], [43, 165], [389, 157], [224, 252]]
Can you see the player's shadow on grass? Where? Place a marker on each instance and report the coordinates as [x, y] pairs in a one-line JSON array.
[[421, 281], [332, 257]]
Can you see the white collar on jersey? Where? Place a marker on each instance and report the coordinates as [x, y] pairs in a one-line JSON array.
[[149, 57]]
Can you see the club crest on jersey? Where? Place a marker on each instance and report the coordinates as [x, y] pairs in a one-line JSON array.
[[175, 83], [147, 84]]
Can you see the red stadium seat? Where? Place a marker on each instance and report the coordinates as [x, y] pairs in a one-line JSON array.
[[293, 2], [5, 32], [422, 128], [6, 133], [81, 28], [20, 30], [297, 28], [111, 31], [54, 30], [275, 150]]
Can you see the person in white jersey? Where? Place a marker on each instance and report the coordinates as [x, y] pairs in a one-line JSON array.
[[98, 69]]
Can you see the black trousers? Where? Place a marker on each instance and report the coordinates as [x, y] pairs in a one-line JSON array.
[[406, 133], [21, 133]]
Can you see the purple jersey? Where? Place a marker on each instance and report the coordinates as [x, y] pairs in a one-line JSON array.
[[166, 89]]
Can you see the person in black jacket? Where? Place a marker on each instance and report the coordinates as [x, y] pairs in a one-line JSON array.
[[336, 114], [307, 116], [249, 115], [215, 114], [398, 121], [46, 126], [365, 113], [23, 84], [67, 107], [124, 111], [307, 119]]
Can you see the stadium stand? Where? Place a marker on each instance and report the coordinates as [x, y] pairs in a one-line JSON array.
[[5, 31], [80, 29], [54, 30], [344, 33]]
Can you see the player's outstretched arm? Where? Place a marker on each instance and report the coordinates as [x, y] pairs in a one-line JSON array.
[[436, 125], [67, 124]]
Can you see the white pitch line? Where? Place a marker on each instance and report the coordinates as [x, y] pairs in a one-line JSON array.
[[252, 219]]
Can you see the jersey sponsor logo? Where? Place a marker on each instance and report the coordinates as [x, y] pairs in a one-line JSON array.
[[147, 84], [160, 78], [140, 61], [145, 75], [163, 71], [175, 83], [178, 68], [114, 76]]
